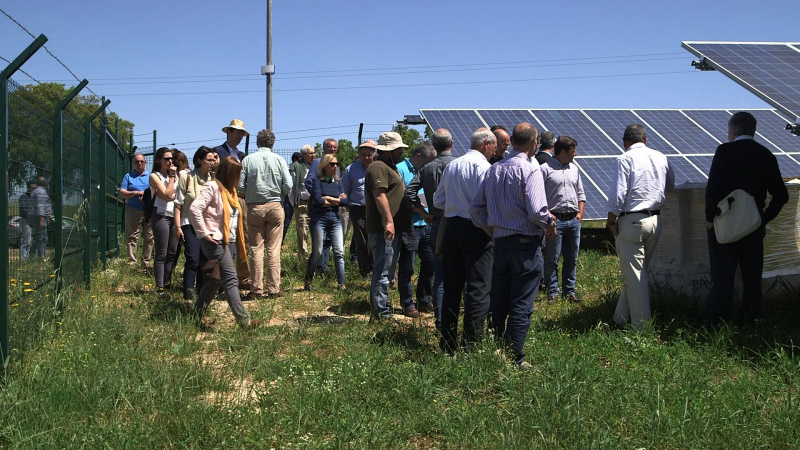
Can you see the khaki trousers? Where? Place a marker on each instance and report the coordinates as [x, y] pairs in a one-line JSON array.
[[636, 242], [135, 222], [265, 228], [302, 222]]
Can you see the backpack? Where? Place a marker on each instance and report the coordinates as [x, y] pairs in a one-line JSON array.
[[149, 201]]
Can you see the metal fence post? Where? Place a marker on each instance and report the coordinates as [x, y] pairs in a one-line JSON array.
[[58, 185], [4, 147], [88, 188], [104, 200]]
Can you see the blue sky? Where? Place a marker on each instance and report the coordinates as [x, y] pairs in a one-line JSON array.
[[573, 54]]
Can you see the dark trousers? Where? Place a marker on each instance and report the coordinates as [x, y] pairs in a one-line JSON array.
[[288, 212], [358, 217], [194, 260], [517, 272], [165, 236], [468, 254], [748, 254], [425, 279]]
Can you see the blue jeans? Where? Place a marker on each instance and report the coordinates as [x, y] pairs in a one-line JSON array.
[[384, 257], [288, 212], [438, 274], [566, 243], [516, 274], [326, 225]]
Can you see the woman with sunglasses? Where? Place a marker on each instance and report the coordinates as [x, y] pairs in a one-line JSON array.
[[189, 185], [216, 217], [326, 197], [162, 183]]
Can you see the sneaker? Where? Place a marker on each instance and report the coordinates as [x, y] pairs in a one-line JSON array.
[[572, 298], [411, 311], [425, 307], [524, 366], [253, 324]]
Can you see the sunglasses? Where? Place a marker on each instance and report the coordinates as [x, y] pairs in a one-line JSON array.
[[334, 164], [167, 159]]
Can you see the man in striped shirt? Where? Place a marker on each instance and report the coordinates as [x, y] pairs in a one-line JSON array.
[[510, 205]]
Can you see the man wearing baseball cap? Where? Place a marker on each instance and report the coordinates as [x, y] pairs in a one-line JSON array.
[[388, 215]]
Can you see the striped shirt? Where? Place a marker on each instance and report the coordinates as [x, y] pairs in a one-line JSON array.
[[562, 186], [511, 200], [460, 181]]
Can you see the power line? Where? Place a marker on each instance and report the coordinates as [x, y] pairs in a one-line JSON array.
[[449, 83], [26, 73], [47, 50], [286, 132]]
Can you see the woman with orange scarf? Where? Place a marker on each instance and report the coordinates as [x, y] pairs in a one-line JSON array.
[[216, 219]]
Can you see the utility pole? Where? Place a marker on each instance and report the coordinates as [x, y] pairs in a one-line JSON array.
[[269, 69]]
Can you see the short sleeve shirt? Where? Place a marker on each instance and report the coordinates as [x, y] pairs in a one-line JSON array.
[[381, 176]]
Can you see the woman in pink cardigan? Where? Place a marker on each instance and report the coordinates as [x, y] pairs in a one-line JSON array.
[[216, 219]]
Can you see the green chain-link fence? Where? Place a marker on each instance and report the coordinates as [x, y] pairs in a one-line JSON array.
[[62, 204]]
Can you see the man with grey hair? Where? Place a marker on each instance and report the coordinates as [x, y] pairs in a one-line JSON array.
[[547, 141], [299, 195], [427, 181], [638, 193], [741, 163], [132, 190], [467, 249], [417, 241], [265, 180]]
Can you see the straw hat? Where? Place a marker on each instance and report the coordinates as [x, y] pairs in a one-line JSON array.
[[236, 124], [389, 141]]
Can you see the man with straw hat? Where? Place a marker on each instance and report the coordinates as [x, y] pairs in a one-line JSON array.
[[236, 132]]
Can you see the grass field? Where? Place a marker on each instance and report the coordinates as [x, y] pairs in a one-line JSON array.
[[124, 369]]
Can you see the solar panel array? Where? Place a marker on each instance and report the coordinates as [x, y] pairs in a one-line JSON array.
[[688, 137], [771, 70]]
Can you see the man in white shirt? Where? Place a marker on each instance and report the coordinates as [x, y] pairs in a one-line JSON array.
[[642, 178], [467, 249]]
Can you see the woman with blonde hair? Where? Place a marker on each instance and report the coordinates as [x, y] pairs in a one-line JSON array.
[[326, 197], [216, 217]]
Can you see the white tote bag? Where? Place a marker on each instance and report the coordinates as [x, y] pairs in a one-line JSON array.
[[738, 217]]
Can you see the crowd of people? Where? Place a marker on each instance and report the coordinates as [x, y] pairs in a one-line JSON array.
[[489, 227]]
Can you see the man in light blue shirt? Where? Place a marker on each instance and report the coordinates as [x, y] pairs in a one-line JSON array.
[[418, 240], [353, 182], [265, 180]]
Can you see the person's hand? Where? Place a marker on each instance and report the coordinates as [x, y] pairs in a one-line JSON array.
[[427, 217], [172, 171], [42, 221], [342, 195], [179, 233], [709, 225], [550, 232], [209, 238], [140, 194], [579, 217], [613, 228], [389, 233]]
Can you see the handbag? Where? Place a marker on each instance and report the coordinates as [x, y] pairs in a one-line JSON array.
[[737, 216]]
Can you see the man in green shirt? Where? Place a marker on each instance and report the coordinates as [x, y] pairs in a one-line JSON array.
[[265, 180], [388, 215]]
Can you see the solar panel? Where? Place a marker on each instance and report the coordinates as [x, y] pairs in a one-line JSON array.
[[680, 131], [573, 123], [690, 138], [769, 70], [508, 118], [460, 122]]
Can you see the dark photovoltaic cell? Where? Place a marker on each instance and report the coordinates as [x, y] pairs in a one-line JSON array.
[[615, 121], [773, 127], [596, 152], [461, 123], [508, 118], [769, 70], [573, 123], [681, 132], [685, 172]]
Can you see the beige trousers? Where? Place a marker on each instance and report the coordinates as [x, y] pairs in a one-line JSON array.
[[265, 229], [302, 222], [135, 222], [636, 242]]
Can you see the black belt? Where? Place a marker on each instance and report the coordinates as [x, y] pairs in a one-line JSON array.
[[648, 212], [565, 216], [520, 238]]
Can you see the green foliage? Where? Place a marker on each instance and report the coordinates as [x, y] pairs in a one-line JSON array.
[[346, 154], [411, 137]]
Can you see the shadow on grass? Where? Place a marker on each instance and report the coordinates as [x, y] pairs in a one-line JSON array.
[[351, 307], [165, 308], [323, 320]]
